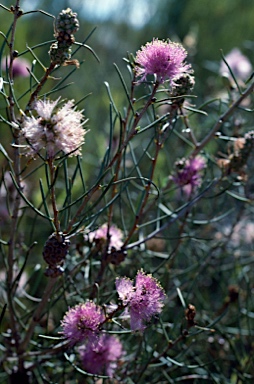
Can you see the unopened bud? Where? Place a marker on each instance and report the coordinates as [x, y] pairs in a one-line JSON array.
[[190, 314], [67, 22]]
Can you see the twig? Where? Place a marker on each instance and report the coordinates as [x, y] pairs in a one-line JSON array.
[[222, 120], [40, 85], [188, 129], [132, 133], [175, 217], [52, 195], [133, 130], [37, 314], [17, 201], [138, 217]]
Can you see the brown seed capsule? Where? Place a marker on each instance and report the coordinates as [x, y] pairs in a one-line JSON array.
[[233, 293], [116, 257], [190, 314], [67, 21], [55, 249]]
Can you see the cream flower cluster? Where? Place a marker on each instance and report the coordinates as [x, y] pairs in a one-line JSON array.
[[54, 129]]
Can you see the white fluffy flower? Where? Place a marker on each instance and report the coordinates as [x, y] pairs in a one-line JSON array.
[[55, 129]]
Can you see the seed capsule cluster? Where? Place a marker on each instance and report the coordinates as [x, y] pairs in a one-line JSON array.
[[242, 150], [66, 24], [184, 83], [54, 253], [115, 256]]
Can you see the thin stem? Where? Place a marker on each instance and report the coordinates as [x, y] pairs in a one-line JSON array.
[[87, 198], [53, 196], [125, 121], [37, 314], [179, 242], [147, 192], [162, 136], [16, 168], [52, 281], [99, 278], [187, 127], [119, 159], [118, 155], [222, 120], [117, 170], [175, 216], [34, 95], [133, 130], [5, 8], [170, 345]]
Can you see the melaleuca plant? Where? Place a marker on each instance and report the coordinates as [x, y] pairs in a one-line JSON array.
[[138, 271]]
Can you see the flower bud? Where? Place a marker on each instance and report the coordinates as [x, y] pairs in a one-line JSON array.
[[66, 22]]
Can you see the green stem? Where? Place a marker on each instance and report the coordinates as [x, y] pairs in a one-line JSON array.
[[118, 155], [138, 217], [53, 195], [37, 314], [222, 120]]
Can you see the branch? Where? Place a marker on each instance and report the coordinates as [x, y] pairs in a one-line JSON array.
[[222, 120]]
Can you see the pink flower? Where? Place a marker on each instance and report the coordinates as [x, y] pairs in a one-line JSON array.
[[144, 300], [238, 63], [101, 235], [164, 59], [101, 357], [55, 130], [188, 175], [20, 66], [82, 322]]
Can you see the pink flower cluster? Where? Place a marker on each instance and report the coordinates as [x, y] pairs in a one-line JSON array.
[[239, 64], [100, 352], [164, 59], [20, 67], [55, 130], [101, 357], [143, 301], [82, 322], [104, 233], [188, 176]]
